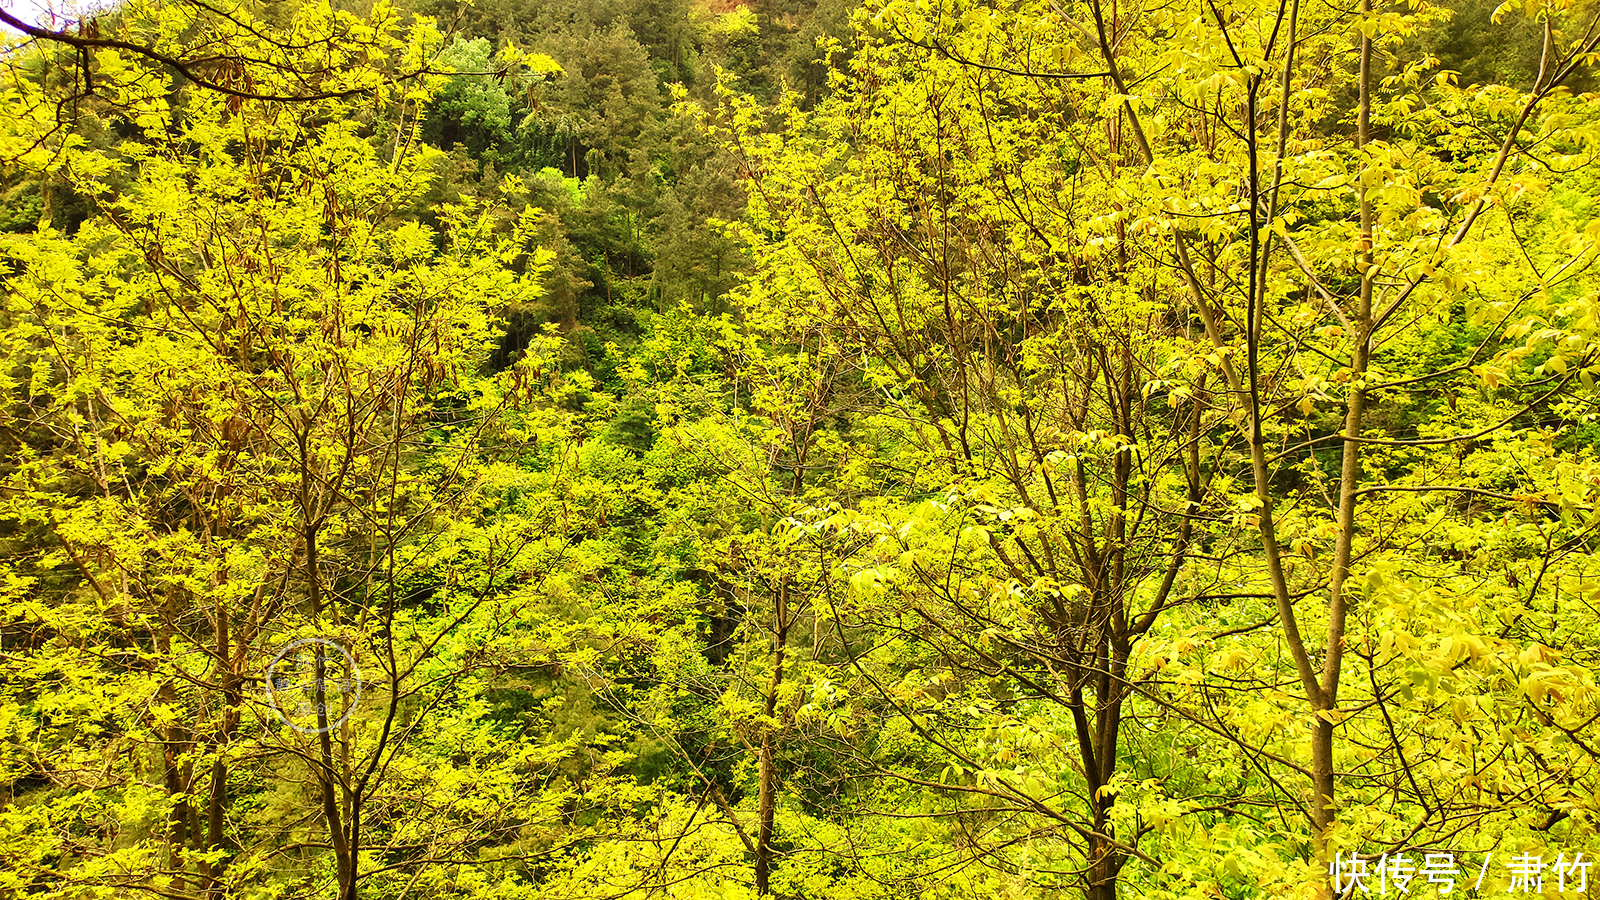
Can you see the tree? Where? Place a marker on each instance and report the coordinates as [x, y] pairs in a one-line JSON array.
[[1018, 224], [251, 407], [214, 49], [1030, 394]]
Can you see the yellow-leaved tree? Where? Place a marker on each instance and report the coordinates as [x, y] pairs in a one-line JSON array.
[[1203, 339]]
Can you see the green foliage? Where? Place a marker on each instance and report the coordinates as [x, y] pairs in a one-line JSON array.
[[473, 107], [1008, 449]]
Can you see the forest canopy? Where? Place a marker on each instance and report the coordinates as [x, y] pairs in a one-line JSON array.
[[858, 449]]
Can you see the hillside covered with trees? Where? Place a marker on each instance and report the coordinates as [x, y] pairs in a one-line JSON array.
[[861, 449]]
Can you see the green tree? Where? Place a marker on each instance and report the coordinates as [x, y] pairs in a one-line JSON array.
[[251, 406], [1016, 225]]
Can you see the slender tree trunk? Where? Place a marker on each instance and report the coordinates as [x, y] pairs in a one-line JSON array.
[[197, 834], [767, 800], [330, 794], [1105, 860], [217, 802], [172, 777], [172, 770], [1322, 763], [325, 769], [766, 813]]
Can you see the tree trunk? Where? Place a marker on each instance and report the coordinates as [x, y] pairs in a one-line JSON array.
[[767, 801], [330, 795], [172, 771], [1322, 763], [178, 818], [217, 802], [766, 811]]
